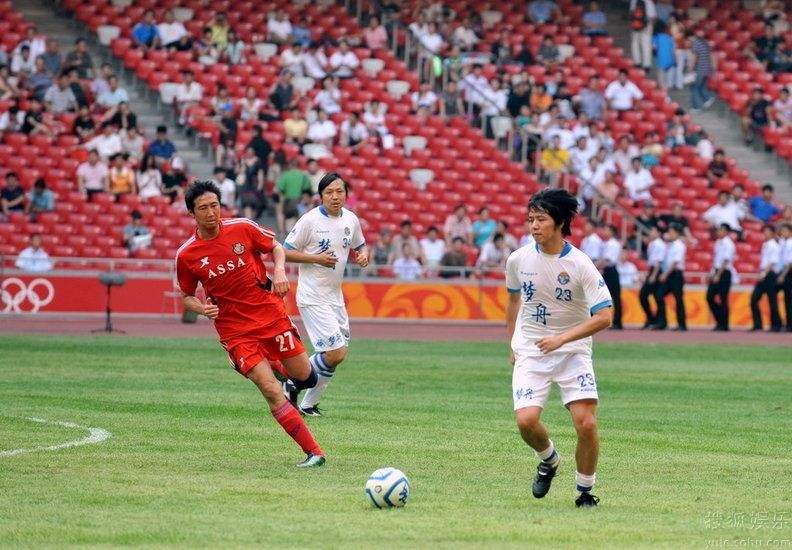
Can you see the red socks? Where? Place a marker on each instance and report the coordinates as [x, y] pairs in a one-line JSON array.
[[291, 421]]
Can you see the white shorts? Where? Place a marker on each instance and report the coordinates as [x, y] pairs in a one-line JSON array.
[[327, 326], [573, 372]]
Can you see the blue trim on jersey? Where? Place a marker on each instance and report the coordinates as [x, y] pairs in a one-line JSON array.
[[290, 247], [564, 251], [359, 247], [324, 212], [513, 290], [601, 305]]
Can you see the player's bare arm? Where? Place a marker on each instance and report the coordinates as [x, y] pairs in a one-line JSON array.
[[325, 259], [280, 284], [195, 305], [601, 320], [512, 309], [362, 256]]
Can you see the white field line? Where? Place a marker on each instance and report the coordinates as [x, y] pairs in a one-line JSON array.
[[95, 435]]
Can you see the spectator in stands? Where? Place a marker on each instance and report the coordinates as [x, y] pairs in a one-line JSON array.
[[638, 181], [8, 84], [374, 36], [353, 133], [642, 17], [111, 98], [543, 11], [279, 29], [703, 66], [59, 98], [315, 174], [123, 118], [374, 118], [315, 63], [458, 225], [726, 211], [519, 96], [432, 247], [554, 162], [145, 33], [782, 109], [290, 187], [704, 147], [33, 123], [101, 83], [405, 237], [133, 145], [676, 130], [226, 186], [652, 151], [548, 53], [591, 101], [329, 98], [594, 21], [764, 207], [483, 228], [756, 116], [173, 179], [431, 42], [769, 266], [508, 239], [665, 56], [170, 31], [92, 175], [162, 148], [454, 260], [306, 203], [39, 199], [465, 37], [501, 49], [493, 254], [207, 51], [625, 151], [718, 167], [383, 248], [226, 155], [679, 220], [261, 146], [185, 44], [220, 30], [344, 62], [34, 258], [766, 48], [406, 267], [295, 127], [301, 32], [12, 196], [188, 94], [322, 131], [424, 97], [451, 104], [622, 93], [83, 124], [234, 51], [53, 60], [80, 59], [149, 179], [250, 183], [282, 93], [23, 63], [292, 59], [36, 42], [40, 80], [108, 143], [250, 106], [136, 234], [738, 196], [120, 178]]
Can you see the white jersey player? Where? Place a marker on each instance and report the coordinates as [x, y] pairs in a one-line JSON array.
[[557, 301], [321, 242]]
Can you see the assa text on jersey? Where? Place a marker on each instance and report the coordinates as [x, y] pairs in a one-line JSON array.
[[221, 269]]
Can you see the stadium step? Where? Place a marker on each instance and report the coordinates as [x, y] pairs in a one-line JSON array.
[[145, 105]]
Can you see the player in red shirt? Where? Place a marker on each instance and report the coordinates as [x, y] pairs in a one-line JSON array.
[[246, 306]]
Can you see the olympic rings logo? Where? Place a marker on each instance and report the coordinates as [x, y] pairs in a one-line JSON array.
[[33, 293]]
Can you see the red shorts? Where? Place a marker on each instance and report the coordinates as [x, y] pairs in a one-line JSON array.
[[246, 353]]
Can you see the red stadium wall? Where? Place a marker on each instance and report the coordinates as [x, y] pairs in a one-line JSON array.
[[53, 293]]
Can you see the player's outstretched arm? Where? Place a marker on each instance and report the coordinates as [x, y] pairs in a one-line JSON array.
[[280, 284], [191, 303], [325, 259], [600, 320]]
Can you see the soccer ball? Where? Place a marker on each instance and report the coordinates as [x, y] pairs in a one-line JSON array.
[[387, 488]]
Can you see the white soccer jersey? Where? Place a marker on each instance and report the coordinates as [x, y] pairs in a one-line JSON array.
[[318, 232], [558, 292]]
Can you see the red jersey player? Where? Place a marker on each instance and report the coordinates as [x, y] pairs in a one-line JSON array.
[[246, 306]]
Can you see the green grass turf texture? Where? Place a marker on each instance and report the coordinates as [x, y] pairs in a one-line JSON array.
[[695, 445]]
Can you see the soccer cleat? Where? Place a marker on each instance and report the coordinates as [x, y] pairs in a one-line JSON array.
[[312, 461], [586, 500], [311, 411], [544, 477], [291, 392]]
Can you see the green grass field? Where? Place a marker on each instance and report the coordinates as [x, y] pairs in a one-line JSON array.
[[696, 448]]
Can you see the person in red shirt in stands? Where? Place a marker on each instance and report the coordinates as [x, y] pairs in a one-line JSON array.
[[247, 306]]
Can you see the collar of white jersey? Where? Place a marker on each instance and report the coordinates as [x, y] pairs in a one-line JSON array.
[[564, 251], [326, 214]]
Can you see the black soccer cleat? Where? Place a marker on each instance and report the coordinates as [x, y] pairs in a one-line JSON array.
[[586, 500], [544, 477], [311, 411], [291, 392]]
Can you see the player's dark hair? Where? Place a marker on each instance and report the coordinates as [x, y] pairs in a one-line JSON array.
[[558, 204], [329, 178], [198, 188], [726, 227]]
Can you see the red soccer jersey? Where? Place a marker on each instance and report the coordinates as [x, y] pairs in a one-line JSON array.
[[233, 275]]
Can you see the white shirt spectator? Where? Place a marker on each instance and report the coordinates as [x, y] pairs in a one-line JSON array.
[[656, 252], [93, 176], [292, 61], [149, 184], [474, 87], [329, 101], [705, 149], [621, 96], [344, 64], [356, 133], [492, 255], [638, 184], [249, 110], [315, 64], [623, 159], [322, 132], [628, 274], [37, 46], [432, 250], [171, 32], [32, 259], [185, 93], [106, 146], [592, 246], [420, 99], [495, 102], [675, 255], [280, 30], [579, 159], [227, 192], [432, 42], [407, 269], [376, 121], [465, 38], [724, 252], [729, 214], [771, 257], [567, 139], [611, 250], [21, 65]]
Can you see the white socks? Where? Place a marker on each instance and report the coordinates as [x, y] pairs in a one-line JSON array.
[[550, 455], [584, 483], [325, 374]]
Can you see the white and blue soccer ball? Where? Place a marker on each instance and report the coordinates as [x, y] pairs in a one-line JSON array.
[[387, 488]]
